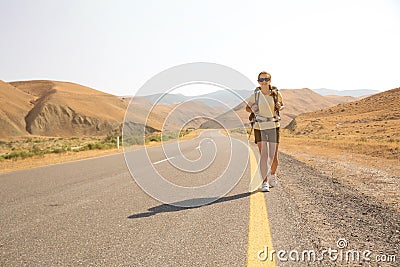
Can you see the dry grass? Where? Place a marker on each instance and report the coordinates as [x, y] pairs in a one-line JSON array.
[[8, 165], [378, 149], [34, 151], [383, 155], [48, 159]]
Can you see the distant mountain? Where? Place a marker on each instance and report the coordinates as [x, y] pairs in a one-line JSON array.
[[353, 93], [229, 98], [166, 98], [221, 98]]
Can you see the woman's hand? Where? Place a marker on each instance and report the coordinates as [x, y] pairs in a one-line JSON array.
[[279, 105]]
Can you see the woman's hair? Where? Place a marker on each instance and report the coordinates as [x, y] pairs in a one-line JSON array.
[[263, 72]]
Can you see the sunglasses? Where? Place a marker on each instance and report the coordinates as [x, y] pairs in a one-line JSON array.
[[264, 79]]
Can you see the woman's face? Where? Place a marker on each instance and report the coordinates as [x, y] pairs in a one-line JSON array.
[[264, 80]]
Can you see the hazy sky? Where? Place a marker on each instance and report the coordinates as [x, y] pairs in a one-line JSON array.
[[116, 46]]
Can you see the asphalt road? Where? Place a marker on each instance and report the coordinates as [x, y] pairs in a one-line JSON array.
[[92, 212]]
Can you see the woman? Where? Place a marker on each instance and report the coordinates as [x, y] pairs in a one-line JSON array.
[[266, 128]]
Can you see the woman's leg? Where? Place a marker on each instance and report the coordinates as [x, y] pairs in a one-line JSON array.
[[275, 160], [264, 166]]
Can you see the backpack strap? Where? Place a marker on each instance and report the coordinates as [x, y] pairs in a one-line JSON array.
[[252, 117]]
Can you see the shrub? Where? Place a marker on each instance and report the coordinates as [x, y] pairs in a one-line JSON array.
[[16, 155], [59, 150]]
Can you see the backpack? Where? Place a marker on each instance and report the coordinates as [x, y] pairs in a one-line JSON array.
[[252, 117]]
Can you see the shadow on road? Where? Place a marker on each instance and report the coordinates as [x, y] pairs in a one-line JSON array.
[[178, 206]]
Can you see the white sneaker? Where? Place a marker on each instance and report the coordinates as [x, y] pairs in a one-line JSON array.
[[265, 187], [273, 181]]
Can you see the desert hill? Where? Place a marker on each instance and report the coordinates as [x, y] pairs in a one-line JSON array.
[[297, 101], [54, 108], [65, 109], [15, 104], [374, 117]]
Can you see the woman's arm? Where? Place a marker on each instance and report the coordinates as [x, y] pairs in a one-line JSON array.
[[279, 104], [248, 109], [250, 105]]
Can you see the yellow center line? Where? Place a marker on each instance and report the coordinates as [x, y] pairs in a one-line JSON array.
[[260, 240]]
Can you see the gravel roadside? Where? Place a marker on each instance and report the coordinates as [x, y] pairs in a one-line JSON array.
[[311, 209]]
